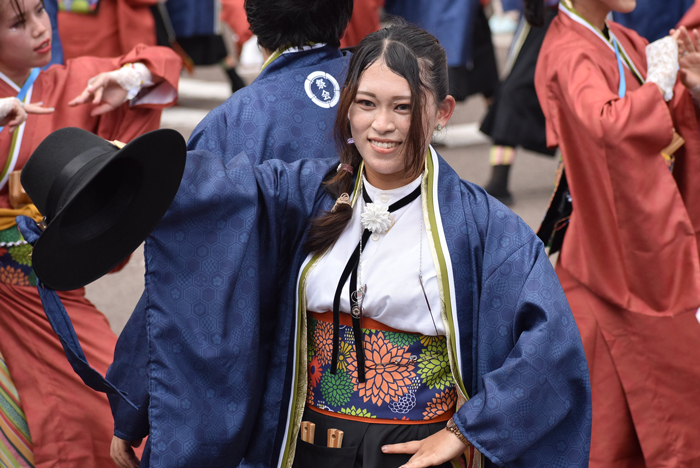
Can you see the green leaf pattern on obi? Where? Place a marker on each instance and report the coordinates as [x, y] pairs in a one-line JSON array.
[[336, 389], [310, 343], [21, 254], [401, 339], [434, 365], [361, 413]]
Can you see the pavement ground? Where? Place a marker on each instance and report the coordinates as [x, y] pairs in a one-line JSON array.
[[467, 150]]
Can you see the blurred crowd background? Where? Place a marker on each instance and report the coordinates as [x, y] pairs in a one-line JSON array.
[[221, 55]]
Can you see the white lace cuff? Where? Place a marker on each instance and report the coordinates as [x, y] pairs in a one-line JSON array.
[[6, 105], [133, 77], [662, 65]]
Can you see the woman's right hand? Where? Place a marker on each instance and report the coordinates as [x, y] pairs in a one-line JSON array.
[[122, 453], [13, 113], [689, 58]]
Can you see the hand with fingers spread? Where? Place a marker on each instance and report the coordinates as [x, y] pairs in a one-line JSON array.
[[439, 448], [13, 112], [122, 453], [689, 58], [104, 92]]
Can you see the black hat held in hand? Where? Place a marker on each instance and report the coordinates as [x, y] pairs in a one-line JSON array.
[[99, 201]]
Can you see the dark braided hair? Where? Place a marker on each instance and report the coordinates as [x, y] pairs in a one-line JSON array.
[[413, 54]]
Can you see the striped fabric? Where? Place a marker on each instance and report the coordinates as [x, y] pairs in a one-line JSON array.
[[15, 441]]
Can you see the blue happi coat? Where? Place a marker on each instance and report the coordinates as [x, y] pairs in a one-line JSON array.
[[450, 21], [215, 353], [286, 113]]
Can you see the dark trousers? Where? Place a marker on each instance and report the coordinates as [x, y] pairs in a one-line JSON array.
[[362, 443]]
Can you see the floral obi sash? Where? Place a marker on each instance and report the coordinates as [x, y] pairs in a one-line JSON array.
[[408, 376], [15, 259]]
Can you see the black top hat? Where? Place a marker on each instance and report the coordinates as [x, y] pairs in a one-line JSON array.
[[99, 201]]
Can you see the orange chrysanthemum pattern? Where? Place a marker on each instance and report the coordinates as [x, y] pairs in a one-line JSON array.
[[385, 380], [323, 339], [441, 404], [13, 276], [310, 395]]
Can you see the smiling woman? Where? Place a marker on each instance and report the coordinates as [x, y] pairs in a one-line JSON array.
[[392, 305], [57, 421], [422, 319]]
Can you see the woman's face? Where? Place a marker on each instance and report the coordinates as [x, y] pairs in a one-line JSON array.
[[620, 6], [24, 44], [380, 119]]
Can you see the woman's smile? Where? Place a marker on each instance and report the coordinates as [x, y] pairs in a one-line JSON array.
[[384, 146]]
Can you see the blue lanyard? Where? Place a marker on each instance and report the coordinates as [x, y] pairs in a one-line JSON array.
[[623, 84], [27, 85]]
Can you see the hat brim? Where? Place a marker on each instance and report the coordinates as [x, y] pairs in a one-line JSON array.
[[113, 208]]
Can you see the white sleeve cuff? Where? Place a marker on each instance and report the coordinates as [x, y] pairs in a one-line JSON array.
[[6, 105], [662, 65], [133, 77]]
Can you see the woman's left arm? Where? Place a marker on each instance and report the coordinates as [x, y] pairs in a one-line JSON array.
[[533, 390]]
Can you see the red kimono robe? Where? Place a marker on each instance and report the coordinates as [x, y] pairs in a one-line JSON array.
[[364, 20], [691, 19], [233, 14], [629, 263], [70, 425], [116, 28]]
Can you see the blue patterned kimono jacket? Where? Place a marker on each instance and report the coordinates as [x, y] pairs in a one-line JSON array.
[[286, 113], [215, 353]]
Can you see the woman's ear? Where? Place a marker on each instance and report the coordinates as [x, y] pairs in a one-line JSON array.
[[445, 110]]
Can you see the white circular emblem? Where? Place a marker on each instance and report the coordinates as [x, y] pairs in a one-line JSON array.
[[322, 89]]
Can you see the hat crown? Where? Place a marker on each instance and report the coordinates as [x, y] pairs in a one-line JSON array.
[[61, 157]]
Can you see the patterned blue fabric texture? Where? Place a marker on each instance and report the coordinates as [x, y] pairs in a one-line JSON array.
[[218, 311], [215, 329], [450, 21], [531, 401], [276, 117]]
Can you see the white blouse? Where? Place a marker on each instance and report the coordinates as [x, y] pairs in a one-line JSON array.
[[390, 266]]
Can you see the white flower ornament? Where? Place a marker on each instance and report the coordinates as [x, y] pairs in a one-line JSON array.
[[376, 218]]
